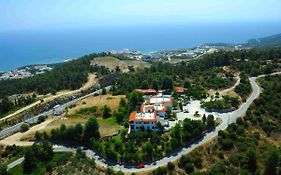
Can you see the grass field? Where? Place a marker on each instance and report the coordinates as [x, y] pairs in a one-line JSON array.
[[112, 62], [99, 102], [108, 126]]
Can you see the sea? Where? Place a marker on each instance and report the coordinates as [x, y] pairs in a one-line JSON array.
[[25, 47]]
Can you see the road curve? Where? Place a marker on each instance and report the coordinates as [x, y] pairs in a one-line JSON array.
[[227, 118]]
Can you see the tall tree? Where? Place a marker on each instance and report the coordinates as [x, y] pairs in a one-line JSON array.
[[167, 83], [252, 161], [106, 112], [91, 129], [154, 85], [272, 163], [210, 121]]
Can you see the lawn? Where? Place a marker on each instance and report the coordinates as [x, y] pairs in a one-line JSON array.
[[108, 126]]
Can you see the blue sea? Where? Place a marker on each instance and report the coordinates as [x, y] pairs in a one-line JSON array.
[[19, 48]]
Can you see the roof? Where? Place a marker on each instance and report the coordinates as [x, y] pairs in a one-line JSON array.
[[149, 117], [146, 107], [163, 100], [161, 108], [147, 91], [133, 116], [180, 89], [144, 117]]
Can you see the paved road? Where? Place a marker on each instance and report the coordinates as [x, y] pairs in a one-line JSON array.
[[15, 163], [226, 118], [15, 128]]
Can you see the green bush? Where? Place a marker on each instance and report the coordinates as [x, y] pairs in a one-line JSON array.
[[24, 127]]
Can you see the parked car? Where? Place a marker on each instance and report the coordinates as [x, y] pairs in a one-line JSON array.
[[139, 166]]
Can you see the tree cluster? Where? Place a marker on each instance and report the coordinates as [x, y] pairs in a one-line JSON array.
[[144, 146], [77, 133]]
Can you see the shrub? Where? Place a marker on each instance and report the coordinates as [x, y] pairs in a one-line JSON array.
[[160, 171], [41, 119], [24, 127], [170, 166], [227, 144], [188, 168], [198, 162]]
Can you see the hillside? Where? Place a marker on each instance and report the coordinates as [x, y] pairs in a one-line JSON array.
[[111, 62], [251, 146], [269, 41]]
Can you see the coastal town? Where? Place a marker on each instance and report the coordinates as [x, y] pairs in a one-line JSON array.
[[25, 72]]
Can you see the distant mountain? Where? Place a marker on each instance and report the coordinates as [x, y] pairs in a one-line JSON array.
[[220, 44], [270, 41]]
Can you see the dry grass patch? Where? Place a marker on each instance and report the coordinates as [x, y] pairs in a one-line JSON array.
[[111, 62], [99, 102]]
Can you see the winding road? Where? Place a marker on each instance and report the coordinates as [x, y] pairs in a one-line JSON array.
[[226, 118]]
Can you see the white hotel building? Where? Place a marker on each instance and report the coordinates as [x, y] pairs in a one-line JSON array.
[[151, 109]]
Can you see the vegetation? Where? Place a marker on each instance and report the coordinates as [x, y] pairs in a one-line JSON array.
[[69, 75], [250, 146], [77, 133], [244, 88], [77, 164], [147, 146], [265, 112], [238, 150], [203, 73], [225, 103], [9, 154], [7, 105], [24, 127]]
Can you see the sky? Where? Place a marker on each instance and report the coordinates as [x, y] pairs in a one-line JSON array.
[[52, 14]]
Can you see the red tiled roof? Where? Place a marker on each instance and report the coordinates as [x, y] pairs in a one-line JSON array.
[[147, 91], [133, 116], [147, 107], [180, 89]]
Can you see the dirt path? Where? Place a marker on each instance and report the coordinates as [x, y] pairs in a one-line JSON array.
[[92, 80], [16, 139], [228, 91]]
